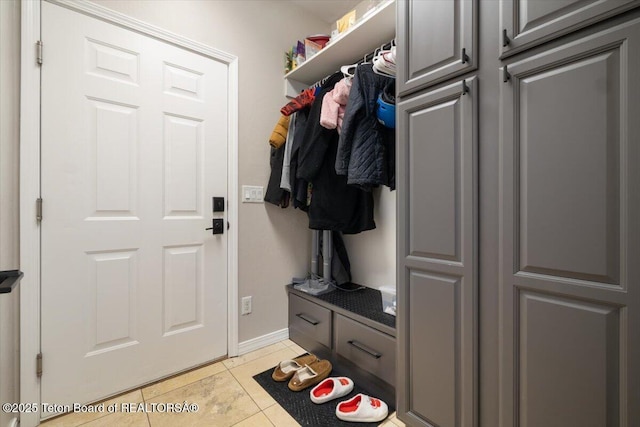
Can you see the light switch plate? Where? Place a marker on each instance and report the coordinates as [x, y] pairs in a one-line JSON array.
[[252, 194]]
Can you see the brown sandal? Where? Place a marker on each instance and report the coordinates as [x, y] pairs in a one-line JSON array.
[[310, 375], [285, 369]]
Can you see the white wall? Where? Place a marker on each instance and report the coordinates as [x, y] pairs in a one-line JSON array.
[[373, 253], [9, 249]]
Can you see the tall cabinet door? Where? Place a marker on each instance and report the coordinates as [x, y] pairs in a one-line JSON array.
[[437, 40], [570, 235], [526, 23], [437, 240]]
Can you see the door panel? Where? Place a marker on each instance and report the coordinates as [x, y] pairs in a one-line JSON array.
[[431, 37], [570, 308], [530, 22], [565, 232], [113, 153], [113, 285], [437, 394], [183, 169], [437, 284], [183, 288], [435, 182], [568, 381], [134, 145]]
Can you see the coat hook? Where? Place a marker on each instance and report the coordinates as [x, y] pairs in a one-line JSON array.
[[505, 74], [505, 38], [465, 88]]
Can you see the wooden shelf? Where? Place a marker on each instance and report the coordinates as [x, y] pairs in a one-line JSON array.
[[374, 30]]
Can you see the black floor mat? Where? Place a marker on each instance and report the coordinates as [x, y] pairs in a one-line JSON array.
[[300, 406]]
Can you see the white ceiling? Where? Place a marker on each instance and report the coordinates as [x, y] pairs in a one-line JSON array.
[[327, 10]]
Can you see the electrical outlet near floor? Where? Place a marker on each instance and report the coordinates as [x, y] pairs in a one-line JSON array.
[[246, 305]]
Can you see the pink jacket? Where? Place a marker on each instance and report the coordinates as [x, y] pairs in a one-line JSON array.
[[333, 105]]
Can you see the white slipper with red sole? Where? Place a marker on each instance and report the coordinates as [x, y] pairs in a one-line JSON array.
[[362, 409], [331, 388]]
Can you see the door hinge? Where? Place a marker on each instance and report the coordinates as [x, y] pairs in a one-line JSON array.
[[39, 365], [39, 48], [39, 209]]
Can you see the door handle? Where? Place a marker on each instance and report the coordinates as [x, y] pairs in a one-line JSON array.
[[217, 226]]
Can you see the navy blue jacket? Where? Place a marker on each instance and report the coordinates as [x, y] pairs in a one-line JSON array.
[[366, 148]]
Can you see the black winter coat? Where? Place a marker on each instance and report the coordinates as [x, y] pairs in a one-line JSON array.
[[275, 194], [298, 185], [366, 148], [335, 205]]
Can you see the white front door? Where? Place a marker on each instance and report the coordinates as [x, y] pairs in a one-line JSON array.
[[134, 147]]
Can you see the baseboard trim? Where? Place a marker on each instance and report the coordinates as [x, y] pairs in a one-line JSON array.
[[262, 341]]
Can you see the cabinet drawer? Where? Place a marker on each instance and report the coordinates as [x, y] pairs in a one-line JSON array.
[[310, 319], [369, 349]]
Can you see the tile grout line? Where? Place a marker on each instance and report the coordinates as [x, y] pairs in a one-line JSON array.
[[275, 403], [271, 406], [253, 400], [145, 404], [178, 376], [245, 390], [266, 354], [253, 415], [267, 417]]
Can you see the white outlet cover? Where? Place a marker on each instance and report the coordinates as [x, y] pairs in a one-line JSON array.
[[246, 305]]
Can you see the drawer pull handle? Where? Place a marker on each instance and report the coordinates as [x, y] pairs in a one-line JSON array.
[[306, 319], [364, 348]]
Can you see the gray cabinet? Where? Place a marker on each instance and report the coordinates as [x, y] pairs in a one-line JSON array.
[[309, 323], [351, 330], [519, 223], [527, 23], [368, 348], [437, 240], [438, 40], [570, 204]]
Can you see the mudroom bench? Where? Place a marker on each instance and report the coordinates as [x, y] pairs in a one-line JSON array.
[[351, 330]]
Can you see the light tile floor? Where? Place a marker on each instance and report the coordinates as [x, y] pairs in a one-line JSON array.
[[225, 391]]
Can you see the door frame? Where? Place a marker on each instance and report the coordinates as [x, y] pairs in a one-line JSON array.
[[30, 249]]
